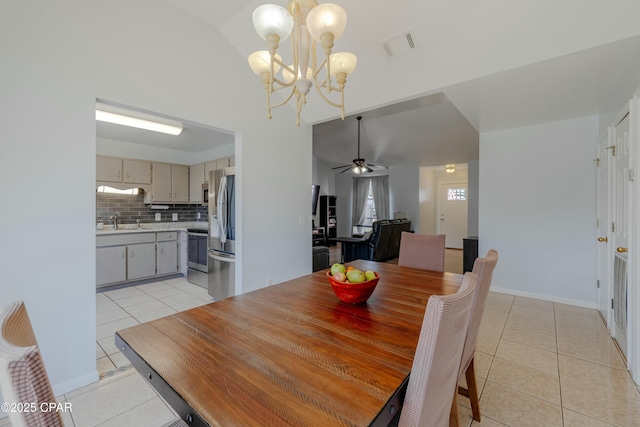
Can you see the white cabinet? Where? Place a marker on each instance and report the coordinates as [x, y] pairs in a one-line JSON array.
[[167, 253], [125, 257], [111, 265], [113, 169], [108, 169], [136, 171], [196, 179], [222, 163], [180, 183], [169, 184], [141, 261]]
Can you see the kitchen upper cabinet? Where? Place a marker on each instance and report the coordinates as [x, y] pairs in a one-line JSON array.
[[112, 169], [108, 169], [136, 171], [222, 163], [169, 184], [180, 183], [196, 179]]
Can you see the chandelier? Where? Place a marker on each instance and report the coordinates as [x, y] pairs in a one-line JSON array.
[[306, 22]]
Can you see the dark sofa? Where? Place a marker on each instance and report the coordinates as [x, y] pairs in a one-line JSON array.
[[384, 242]]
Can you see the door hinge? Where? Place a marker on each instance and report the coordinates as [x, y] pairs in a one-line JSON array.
[[613, 150], [597, 162], [597, 223], [613, 227], [598, 283], [631, 175], [611, 302]]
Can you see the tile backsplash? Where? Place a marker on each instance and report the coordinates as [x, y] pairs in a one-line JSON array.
[[132, 208]]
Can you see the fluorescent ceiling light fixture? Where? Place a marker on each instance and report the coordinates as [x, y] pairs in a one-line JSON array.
[[120, 116]]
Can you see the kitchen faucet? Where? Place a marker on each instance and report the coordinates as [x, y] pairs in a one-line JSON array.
[[115, 220]]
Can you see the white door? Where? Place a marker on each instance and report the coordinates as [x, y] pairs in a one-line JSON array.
[[621, 193], [452, 215], [604, 226]]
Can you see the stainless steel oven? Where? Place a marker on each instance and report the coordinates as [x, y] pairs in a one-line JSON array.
[[198, 269]]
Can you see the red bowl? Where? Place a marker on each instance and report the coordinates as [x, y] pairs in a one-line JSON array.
[[353, 293]]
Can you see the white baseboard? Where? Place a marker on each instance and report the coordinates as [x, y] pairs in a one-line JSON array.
[[75, 383], [569, 301]]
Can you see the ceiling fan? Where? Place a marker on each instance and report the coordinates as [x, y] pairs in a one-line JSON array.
[[359, 166]]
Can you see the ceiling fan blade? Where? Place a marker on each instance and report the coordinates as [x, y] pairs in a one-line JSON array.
[[377, 166], [346, 169], [343, 166]]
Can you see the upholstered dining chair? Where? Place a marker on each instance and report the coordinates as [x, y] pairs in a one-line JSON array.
[[424, 251], [434, 373], [483, 268], [23, 377]]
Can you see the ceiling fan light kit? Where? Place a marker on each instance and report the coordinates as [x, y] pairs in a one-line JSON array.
[[359, 165], [306, 22]]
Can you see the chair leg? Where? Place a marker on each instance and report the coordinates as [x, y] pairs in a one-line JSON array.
[[453, 415], [472, 389]]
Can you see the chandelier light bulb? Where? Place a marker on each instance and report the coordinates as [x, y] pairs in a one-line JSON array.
[[288, 76], [342, 62], [260, 61], [272, 19], [326, 18]]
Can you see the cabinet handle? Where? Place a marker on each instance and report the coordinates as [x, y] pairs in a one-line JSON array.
[[602, 239], [175, 195], [127, 175], [122, 255], [119, 175], [622, 250], [132, 254], [161, 251]]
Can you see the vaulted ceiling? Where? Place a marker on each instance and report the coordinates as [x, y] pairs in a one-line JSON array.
[[477, 67]]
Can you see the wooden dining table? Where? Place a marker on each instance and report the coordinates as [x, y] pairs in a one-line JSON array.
[[290, 354]]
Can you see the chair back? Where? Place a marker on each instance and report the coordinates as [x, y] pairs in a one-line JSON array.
[[23, 377], [483, 268], [424, 251], [434, 374]]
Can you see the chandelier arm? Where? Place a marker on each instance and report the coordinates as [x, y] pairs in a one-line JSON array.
[[293, 90], [327, 100]]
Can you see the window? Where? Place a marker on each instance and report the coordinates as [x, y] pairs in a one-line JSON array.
[[454, 194], [369, 214]]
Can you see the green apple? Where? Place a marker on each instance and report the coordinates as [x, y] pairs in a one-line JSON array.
[[369, 275], [355, 276], [337, 268]]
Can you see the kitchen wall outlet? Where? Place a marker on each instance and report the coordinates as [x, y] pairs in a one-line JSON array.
[[174, 216], [158, 216]]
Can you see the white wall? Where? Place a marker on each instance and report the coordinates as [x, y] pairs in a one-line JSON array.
[[430, 179], [152, 56], [403, 195], [537, 209], [473, 170]]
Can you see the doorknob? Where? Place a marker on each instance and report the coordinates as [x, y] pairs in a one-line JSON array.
[[622, 250], [602, 239]]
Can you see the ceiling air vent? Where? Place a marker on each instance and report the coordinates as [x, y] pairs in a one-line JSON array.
[[400, 44]]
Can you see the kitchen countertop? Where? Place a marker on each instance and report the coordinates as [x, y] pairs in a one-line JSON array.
[[151, 227]]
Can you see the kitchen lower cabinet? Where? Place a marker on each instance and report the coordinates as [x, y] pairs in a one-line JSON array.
[[111, 265], [141, 261], [122, 258], [167, 253]]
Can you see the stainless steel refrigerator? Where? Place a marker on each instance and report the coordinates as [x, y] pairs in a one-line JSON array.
[[222, 233]]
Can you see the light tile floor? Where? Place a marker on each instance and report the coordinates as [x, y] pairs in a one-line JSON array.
[[538, 364]]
